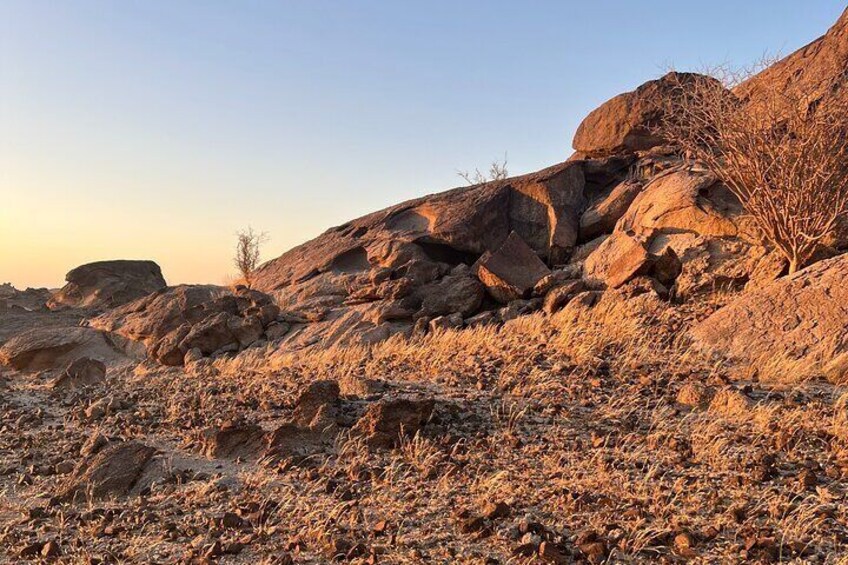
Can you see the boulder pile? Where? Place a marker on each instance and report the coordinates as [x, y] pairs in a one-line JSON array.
[[201, 319]]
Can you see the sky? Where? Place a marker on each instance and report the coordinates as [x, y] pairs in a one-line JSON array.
[[156, 130]]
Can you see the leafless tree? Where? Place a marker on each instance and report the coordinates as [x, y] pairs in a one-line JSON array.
[[497, 171], [248, 245], [784, 155]]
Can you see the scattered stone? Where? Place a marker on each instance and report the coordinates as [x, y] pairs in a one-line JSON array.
[[229, 520], [518, 308], [317, 406], [64, 467], [482, 319], [496, 510], [472, 525], [113, 471], [695, 394], [193, 355], [385, 421], [807, 479], [293, 443], [441, 323], [380, 528], [731, 403], [94, 443], [31, 549], [558, 297], [51, 549], [103, 407], [233, 439], [551, 553], [79, 373]]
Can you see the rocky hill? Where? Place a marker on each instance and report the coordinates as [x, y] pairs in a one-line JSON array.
[[600, 362]]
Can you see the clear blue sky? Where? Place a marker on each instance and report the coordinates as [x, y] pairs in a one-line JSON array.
[[142, 129]]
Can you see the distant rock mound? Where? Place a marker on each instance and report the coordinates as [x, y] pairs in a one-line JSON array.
[[107, 284], [33, 299], [54, 347], [800, 318]]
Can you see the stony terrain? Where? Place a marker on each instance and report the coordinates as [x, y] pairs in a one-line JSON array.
[[600, 362]]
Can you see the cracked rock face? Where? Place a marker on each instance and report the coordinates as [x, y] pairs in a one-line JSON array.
[[801, 318], [686, 213]]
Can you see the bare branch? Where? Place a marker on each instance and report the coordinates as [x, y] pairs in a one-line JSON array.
[[785, 156], [497, 171], [248, 245]]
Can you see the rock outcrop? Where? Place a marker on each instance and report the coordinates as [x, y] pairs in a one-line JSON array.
[[107, 284], [452, 227], [800, 318], [207, 318], [377, 276], [32, 299]]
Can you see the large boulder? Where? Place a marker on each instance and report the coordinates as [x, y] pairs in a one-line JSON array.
[[460, 293], [625, 123], [512, 271], [54, 347], [801, 318], [107, 284]]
